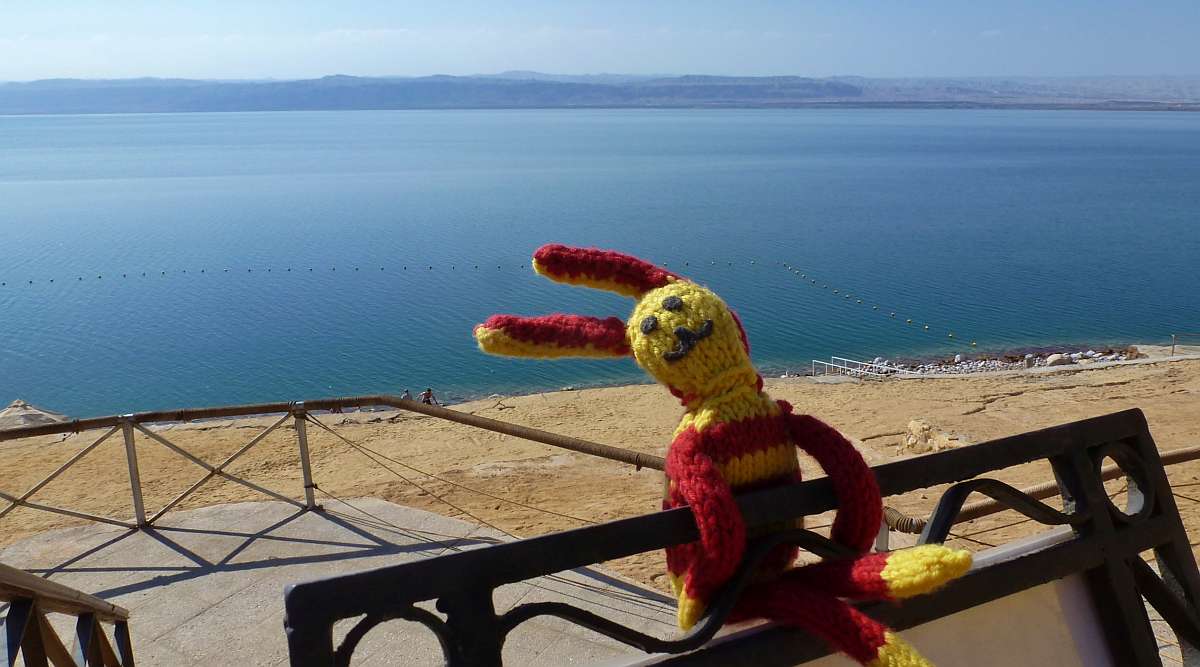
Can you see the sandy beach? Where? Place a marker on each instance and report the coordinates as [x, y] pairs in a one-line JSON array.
[[958, 410]]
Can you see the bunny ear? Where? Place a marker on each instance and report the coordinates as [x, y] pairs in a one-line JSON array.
[[600, 269], [552, 336]]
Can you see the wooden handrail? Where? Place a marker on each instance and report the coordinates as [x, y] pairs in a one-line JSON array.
[[52, 596]]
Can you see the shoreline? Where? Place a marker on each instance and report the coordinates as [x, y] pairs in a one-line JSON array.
[[1008, 361], [1149, 353]]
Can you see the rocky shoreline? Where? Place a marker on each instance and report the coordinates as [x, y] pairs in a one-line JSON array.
[[961, 364]]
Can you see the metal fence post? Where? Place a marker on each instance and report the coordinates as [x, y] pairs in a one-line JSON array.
[[883, 539], [305, 468], [135, 479]]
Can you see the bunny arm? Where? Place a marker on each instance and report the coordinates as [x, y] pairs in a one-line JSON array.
[[699, 483], [860, 507], [895, 575]]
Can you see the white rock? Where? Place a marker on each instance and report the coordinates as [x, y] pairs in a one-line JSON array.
[[921, 437], [1058, 360]]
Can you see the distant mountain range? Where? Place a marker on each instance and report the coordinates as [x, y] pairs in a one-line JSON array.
[[523, 90]]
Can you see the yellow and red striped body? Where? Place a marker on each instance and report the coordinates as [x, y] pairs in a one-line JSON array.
[[745, 434], [732, 439]]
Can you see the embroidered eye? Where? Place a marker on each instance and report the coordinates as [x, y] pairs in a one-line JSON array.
[[672, 303], [649, 324]]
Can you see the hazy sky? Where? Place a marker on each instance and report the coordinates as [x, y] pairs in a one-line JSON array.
[[302, 38]]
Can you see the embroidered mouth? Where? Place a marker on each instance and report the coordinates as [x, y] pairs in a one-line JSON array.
[[687, 339]]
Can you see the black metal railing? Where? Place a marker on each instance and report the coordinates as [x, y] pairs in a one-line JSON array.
[[1105, 544]]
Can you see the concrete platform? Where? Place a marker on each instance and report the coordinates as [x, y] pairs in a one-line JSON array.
[[206, 586]]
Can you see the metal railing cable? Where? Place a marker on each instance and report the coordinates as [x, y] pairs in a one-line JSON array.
[[372, 454], [19, 500], [464, 487], [367, 452], [375, 457]]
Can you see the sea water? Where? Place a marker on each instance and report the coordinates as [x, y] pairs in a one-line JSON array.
[[204, 259]]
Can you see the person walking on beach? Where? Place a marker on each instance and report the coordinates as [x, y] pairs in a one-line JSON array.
[[428, 398], [406, 396]]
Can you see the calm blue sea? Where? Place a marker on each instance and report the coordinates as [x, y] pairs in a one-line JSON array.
[[403, 229]]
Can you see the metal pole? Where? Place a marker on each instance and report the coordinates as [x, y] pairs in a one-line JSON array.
[[305, 468], [135, 480], [219, 470], [50, 478], [66, 512], [882, 539]]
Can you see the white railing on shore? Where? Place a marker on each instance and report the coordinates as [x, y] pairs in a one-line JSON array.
[[855, 368], [1178, 339]]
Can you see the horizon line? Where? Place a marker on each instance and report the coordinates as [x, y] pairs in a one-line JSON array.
[[528, 73]]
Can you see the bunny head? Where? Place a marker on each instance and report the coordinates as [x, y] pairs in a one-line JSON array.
[[680, 332]]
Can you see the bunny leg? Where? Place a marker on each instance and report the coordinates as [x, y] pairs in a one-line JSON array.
[[895, 575], [834, 621]]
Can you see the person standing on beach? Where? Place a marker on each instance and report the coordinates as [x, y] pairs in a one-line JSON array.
[[406, 396], [428, 398]]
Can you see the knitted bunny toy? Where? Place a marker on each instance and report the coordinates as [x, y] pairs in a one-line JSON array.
[[733, 438]]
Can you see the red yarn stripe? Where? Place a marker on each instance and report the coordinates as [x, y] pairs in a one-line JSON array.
[[843, 627], [860, 508], [857, 578], [699, 483], [725, 441], [570, 331], [562, 262]]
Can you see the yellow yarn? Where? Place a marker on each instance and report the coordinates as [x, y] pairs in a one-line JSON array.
[[742, 402], [720, 353], [896, 652], [495, 341], [689, 611], [763, 464], [922, 569]]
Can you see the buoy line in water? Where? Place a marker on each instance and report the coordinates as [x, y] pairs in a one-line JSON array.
[[801, 274], [858, 300]]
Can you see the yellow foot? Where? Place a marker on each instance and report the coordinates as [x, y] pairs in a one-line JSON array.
[[898, 653], [921, 569]]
